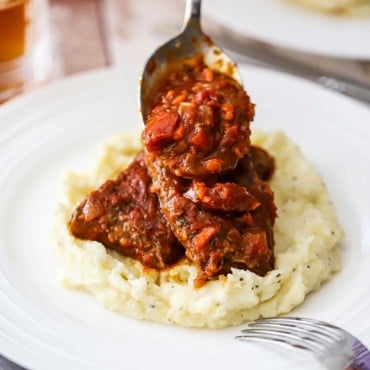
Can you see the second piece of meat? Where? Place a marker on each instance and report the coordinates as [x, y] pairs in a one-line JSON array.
[[124, 215], [217, 234]]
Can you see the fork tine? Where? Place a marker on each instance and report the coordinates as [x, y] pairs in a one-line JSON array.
[[325, 333], [296, 337], [296, 332], [314, 326], [300, 321], [284, 339]]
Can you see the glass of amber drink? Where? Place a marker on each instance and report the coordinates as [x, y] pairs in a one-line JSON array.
[[24, 45]]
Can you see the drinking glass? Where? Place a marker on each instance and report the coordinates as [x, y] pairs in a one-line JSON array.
[[25, 58]]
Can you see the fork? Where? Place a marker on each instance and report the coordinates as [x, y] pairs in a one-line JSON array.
[[332, 346]]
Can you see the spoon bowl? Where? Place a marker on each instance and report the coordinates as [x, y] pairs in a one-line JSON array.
[[190, 43]]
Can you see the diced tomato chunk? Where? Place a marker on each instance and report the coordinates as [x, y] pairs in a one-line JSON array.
[[160, 129]]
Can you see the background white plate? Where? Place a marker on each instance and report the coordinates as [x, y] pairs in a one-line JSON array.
[[44, 133], [278, 22]]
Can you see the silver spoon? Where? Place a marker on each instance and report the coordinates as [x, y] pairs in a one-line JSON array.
[[190, 43]]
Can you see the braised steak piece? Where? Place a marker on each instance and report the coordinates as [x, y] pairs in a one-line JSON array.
[[218, 237], [199, 122], [124, 215]]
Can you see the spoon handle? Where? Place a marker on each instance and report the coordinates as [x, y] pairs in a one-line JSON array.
[[192, 13]]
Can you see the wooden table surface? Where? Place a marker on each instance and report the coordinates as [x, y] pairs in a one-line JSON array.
[[90, 34]]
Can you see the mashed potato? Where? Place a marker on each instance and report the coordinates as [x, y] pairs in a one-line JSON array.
[[347, 7], [307, 254]]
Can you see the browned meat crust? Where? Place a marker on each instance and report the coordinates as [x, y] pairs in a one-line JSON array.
[[124, 215]]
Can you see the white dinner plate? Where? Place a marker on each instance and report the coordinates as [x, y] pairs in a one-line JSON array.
[[278, 22], [43, 326]]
